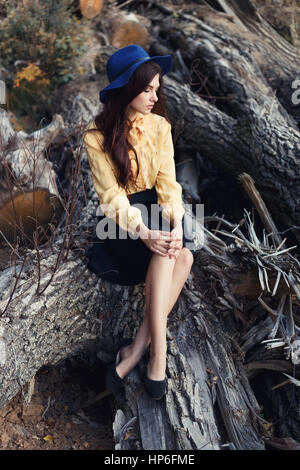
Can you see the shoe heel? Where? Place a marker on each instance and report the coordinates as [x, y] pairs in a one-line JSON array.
[[113, 380]]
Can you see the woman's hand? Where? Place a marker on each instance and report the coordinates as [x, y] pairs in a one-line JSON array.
[[176, 243], [160, 241]]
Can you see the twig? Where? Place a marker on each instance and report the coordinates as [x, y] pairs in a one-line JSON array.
[[14, 287], [281, 384], [125, 4], [261, 208], [276, 253], [269, 309], [47, 407]]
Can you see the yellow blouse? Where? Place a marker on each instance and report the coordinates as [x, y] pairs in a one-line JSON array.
[[151, 138]]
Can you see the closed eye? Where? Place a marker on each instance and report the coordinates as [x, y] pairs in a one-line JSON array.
[[149, 89]]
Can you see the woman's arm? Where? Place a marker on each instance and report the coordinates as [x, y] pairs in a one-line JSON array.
[[113, 198], [169, 191], [143, 231], [177, 222]]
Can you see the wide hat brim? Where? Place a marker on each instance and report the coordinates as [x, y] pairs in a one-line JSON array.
[[165, 63]]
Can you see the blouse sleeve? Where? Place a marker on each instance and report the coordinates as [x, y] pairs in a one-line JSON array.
[[113, 199], [169, 191]]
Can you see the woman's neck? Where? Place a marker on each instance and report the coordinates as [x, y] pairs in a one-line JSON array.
[[132, 115]]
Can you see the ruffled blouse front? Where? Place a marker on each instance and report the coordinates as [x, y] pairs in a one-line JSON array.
[[151, 137], [145, 146]]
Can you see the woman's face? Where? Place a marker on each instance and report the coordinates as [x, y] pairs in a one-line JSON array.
[[144, 102]]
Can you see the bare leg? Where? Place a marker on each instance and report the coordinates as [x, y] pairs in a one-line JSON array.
[[160, 276], [164, 282]]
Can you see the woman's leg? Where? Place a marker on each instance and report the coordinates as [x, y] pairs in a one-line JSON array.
[[164, 282], [159, 277]]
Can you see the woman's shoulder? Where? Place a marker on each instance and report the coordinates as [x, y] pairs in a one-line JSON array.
[[157, 118], [90, 125], [159, 123], [92, 135]]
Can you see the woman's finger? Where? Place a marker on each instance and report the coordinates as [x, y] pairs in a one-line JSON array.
[[168, 236], [163, 244], [175, 244], [176, 247], [161, 253], [161, 249]]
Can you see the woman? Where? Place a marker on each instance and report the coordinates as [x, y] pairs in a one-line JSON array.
[[130, 152]]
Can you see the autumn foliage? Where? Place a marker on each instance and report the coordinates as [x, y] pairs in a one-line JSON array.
[[40, 42]]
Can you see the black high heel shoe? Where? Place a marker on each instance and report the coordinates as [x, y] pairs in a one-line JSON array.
[[113, 381]]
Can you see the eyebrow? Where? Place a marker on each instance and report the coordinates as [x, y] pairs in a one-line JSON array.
[[150, 86]]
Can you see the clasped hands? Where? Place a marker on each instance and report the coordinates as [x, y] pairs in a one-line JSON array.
[[163, 243]]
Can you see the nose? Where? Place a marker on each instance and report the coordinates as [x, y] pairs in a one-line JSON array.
[[154, 96]]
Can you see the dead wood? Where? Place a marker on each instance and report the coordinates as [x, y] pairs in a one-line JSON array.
[[28, 188]]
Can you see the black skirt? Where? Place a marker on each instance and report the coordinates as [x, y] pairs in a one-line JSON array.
[[124, 260]]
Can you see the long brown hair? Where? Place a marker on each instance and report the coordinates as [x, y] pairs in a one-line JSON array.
[[112, 122]]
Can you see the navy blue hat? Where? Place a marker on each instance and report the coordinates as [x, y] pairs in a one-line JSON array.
[[122, 63]]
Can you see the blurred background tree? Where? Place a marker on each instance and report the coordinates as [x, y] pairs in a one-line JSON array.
[[284, 16], [40, 43]]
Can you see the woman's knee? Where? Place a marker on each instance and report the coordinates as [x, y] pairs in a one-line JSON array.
[[185, 258]]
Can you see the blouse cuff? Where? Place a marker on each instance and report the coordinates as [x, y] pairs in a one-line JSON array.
[[133, 222]]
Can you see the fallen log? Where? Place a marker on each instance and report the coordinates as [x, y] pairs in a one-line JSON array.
[[28, 191]]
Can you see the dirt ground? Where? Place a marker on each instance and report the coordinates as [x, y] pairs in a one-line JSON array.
[[56, 417]]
